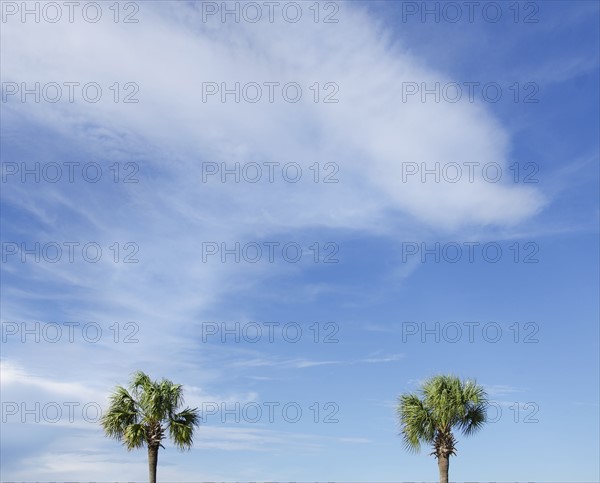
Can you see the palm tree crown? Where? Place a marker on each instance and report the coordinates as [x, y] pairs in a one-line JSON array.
[[144, 413], [446, 403]]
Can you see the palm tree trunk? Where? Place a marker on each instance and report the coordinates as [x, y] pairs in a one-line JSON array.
[[443, 465], [152, 462]]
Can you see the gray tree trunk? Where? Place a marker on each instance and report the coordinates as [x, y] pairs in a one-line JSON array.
[[443, 465], [153, 462]]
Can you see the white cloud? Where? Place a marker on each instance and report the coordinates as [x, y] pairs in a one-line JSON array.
[[369, 133]]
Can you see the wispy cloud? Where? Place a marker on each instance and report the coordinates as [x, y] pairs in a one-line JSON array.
[[281, 363]]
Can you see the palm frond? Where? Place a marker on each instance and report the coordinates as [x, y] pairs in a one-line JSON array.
[[416, 421], [444, 402], [122, 412], [134, 436], [139, 382], [181, 427], [140, 416]]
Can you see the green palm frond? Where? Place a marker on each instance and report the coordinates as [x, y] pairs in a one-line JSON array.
[[122, 412], [446, 402], [152, 400], [174, 395], [134, 436], [139, 382], [181, 427], [442, 394], [474, 420], [416, 421], [138, 416]]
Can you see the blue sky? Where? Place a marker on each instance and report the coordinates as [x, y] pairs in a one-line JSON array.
[[533, 312]]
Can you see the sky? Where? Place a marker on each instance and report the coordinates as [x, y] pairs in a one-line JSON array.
[[300, 212]]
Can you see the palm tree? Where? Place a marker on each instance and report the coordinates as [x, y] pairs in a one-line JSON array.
[[446, 403], [142, 415]]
